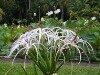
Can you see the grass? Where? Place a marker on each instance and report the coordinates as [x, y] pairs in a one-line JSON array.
[[65, 70], [79, 70]]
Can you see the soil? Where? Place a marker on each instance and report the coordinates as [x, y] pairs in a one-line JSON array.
[[17, 60], [21, 60]]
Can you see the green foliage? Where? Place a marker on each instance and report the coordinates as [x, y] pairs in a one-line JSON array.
[[46, 59], [48, 22], [8, 7], [83, 8], [88, 30], [51, 22], [65, 70], [72, 8], [7, 36], [1, 13]]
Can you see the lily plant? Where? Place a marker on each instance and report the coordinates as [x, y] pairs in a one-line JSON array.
[[45, 47]]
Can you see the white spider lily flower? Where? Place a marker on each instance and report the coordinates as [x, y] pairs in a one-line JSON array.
[[34, 14], [62, 38], [42, 19], [93, 18], [49, 13], [57, 11]]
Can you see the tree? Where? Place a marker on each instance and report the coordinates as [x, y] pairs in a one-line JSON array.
[[1, 13]]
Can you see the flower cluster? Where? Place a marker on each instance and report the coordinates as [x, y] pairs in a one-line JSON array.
[[57, 11], [51, 12], [93, 18], [63, 38]]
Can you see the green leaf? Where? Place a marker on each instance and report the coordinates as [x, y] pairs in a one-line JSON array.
[[24, 70], [9, 71]]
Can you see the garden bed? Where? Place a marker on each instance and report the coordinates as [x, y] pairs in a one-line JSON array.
[[21, 60]]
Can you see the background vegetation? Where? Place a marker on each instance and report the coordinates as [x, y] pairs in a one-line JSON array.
[[81, 16], [70, 9]]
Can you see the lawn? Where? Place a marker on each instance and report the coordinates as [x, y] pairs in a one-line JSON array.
[[65, 70]]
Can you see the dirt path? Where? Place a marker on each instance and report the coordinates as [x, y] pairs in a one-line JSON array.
[[19, 60]]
